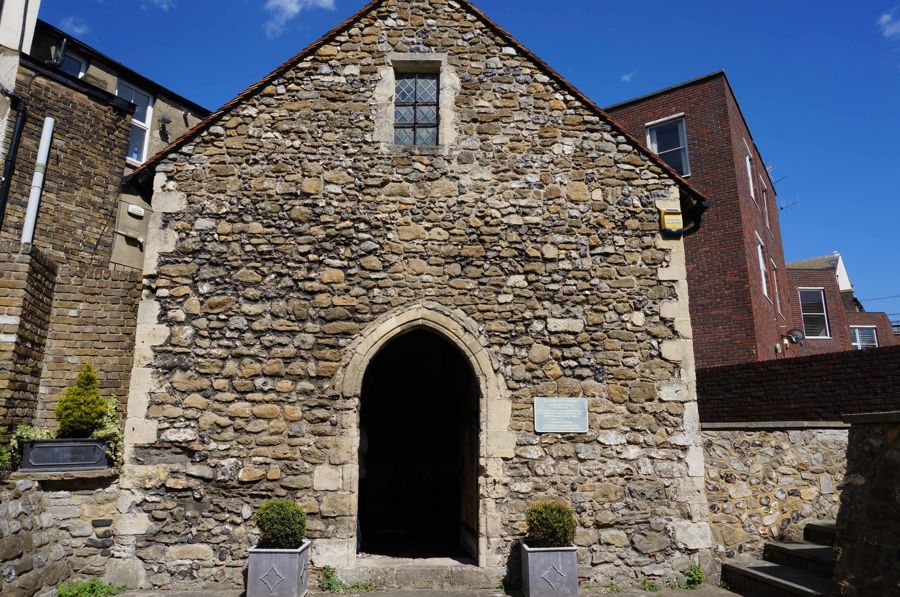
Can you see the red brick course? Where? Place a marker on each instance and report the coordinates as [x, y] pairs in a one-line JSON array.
[[824, 387]]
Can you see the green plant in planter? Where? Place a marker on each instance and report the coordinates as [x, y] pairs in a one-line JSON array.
[[111, 433], [22, 434], [81, 410], [282, 524], [550, 524]]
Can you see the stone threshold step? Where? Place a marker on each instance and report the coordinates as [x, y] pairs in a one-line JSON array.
[[822, 532], [764, 579]]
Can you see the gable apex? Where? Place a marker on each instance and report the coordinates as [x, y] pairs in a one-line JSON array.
[[694, 203]]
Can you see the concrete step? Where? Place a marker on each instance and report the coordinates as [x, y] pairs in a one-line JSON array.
[[812, 557], [823, 532], [758, 578], [440, 574]]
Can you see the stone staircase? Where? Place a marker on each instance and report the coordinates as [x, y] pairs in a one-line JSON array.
[[432, 573], [803, 568]]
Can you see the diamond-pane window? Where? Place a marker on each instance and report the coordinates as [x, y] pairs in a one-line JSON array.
[[416, 111]]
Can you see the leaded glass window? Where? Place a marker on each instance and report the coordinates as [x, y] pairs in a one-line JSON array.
[[416, 109]]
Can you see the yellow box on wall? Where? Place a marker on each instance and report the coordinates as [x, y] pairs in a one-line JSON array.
[[671, 223]]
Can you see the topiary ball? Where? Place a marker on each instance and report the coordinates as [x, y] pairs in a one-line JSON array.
[[550, 524], [81, 409], [282, 524]]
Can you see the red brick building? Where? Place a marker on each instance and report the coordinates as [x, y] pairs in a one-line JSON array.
[[828, 311], [736, 270]]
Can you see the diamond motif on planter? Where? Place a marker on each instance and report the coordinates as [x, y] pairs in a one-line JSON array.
[[272, 579], [554, 576]]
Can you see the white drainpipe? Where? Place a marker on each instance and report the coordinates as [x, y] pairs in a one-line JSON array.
[[37, 182]]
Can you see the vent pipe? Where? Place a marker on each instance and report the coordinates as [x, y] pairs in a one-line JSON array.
[[37, 182]]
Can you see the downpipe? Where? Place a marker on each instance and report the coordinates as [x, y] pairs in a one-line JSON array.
[[9, 164], [37, 182]]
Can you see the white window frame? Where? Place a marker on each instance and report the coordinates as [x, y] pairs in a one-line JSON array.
[[765, 201], [82, 61], [141, 124], [854, 337], [775, 285], [763, 268], [682, 137], [824, 308]]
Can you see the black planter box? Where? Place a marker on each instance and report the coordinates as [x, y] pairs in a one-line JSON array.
[[60, 455]]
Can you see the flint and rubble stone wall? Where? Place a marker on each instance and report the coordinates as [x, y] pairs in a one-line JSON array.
[[868, 542], [27, 281], [32, 556], [93, 319], [287, 231], [766, 484]]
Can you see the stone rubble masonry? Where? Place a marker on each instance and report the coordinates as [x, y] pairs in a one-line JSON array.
[[87, 161], [766, 484], [287, 244], [33, 558], [868, 540], [824, 387], [27, 280]]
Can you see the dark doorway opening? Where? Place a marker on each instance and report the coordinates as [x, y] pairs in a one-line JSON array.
[[418, 495]]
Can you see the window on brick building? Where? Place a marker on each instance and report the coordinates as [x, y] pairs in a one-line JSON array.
[[863, 337], [72, 65], [140, 122], [748, 160], [812, 307], [765, 201], [416, 109], [775, 285], [668, 140], [763, 270]]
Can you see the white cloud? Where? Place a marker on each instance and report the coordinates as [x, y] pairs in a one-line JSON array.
[[889, 24], [74, 25], [627, 77], [164, 5], [283, 11]]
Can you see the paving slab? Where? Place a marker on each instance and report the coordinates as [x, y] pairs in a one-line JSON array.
[[706, 591]]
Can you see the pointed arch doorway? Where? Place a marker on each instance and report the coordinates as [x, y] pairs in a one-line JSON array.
[[419, 427]]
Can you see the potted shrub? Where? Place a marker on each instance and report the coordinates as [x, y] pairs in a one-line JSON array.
[[88, 437], [549, 555], [278, 564]]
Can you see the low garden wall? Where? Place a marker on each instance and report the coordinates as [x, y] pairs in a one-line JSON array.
[[765, 484]]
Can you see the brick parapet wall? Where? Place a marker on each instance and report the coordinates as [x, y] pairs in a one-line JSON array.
[[27, 281], [87, 161], [93, 319], [823, 387]]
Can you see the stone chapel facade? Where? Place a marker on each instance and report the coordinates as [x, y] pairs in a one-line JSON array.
[[306, 277]]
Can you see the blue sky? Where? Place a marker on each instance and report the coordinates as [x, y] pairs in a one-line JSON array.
[[819, 82]]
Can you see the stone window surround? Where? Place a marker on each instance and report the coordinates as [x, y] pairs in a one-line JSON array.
[[448, 84]]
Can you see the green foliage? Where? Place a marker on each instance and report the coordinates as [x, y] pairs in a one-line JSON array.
[[111, 432], [81, 410], [330, 583], [25, 433], [724, 585], [282, 524], [5, 455], [649, 585], [550, 524], [88, 588], [613, 588], [693, 579]]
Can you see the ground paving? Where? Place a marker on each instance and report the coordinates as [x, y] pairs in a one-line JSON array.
[[706, 591]]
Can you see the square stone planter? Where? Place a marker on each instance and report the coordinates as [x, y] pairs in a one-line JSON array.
[[278, 572], [63, 455], [549, 571]]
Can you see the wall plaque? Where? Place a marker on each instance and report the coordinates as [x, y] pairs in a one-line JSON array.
[[560, 415]]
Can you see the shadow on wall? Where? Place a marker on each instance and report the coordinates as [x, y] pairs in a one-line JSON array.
[[868, 542]]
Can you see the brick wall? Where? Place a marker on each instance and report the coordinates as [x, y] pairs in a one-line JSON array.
[[26, 287], [823, 387], [733, 321], [78, 205], [879, 320], [93, 318], [834, 307]]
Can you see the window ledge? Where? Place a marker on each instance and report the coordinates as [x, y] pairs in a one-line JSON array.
[[133, 162], [820, 337], [418, 149], [106, 473]]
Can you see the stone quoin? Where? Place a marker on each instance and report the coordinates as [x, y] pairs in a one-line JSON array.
[[322, 307]]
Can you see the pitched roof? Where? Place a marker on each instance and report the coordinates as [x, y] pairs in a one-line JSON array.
[[700, 202], [823, 262]]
